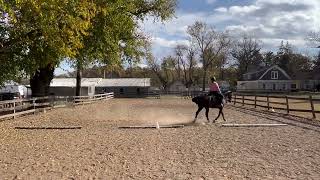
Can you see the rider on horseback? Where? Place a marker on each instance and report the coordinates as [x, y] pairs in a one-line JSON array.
[[215, 91]]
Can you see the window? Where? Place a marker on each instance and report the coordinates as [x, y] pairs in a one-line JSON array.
[[284, 87], [249, 76], [274, 74], [138, 90], [274, 86], [293, 86], [121, 90], [264, 86]]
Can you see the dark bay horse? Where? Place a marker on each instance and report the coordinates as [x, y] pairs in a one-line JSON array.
[[203, 101]]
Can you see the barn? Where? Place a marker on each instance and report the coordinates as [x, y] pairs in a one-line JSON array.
[[67, 86], [125, 87]]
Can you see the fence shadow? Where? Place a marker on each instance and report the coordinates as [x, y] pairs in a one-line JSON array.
[[287, 118]]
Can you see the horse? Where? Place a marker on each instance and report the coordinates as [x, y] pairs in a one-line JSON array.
[[203, 101]]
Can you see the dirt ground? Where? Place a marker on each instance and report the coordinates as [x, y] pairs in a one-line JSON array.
[[102, 151]]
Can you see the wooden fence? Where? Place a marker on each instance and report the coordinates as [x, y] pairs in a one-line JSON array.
[[138, 95], [277, 102], [19, 107]]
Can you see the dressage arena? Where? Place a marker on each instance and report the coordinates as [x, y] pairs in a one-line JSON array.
[[100, 150]]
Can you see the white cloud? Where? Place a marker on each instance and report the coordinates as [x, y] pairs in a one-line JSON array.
[[221, 10], [168, 43], [269, 20], [174, 27], [242, 10], [273, 21]]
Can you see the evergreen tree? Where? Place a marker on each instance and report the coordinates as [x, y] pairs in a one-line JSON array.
[[283, 56]]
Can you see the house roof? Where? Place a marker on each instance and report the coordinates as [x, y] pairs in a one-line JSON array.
[[255, 75], [258, 75], [71, 82], [11, 83], [125, 82], [99, 82]]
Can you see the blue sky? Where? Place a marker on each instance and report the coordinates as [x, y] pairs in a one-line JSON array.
[[270, 21]]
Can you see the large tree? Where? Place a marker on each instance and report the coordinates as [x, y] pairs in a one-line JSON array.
[[295, 64], [114, 35], [268, 58], [316, 67], [163, 70], [39, 34], [246, 52], [210, 45], [185, 63], [314, 38]]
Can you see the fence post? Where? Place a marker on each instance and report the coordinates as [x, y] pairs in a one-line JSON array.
[[235, 99], [242, 100], [287, 102], [312, 107], [34, 106], [52, 100], [255, 101], [14, 110], [268, 103]]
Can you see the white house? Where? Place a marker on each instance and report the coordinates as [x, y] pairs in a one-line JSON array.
[[267, 79]]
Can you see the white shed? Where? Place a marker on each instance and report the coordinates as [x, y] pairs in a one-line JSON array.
[[67, 86], [13, 87]]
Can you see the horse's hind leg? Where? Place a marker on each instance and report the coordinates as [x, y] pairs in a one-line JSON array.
[[199, 109]]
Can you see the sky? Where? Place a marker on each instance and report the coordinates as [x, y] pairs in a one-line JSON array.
[[270, 21]]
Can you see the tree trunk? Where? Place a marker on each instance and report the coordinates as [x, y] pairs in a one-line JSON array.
[[204, 79], [221, 74], [79, 76], [40, 81]]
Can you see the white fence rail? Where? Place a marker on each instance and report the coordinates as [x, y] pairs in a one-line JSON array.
[[13, 108]]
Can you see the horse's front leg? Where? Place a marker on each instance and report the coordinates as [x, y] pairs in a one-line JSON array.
[[199, 109], [207, 113], [220, 112]]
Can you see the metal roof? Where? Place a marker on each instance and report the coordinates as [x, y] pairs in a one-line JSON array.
[[99, 82], [125, 82], [71, 82]]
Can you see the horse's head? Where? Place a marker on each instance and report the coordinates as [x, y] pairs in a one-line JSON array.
[[195, 99], [199, 99]]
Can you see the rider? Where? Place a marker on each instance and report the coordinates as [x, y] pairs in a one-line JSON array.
[[215, 90]]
